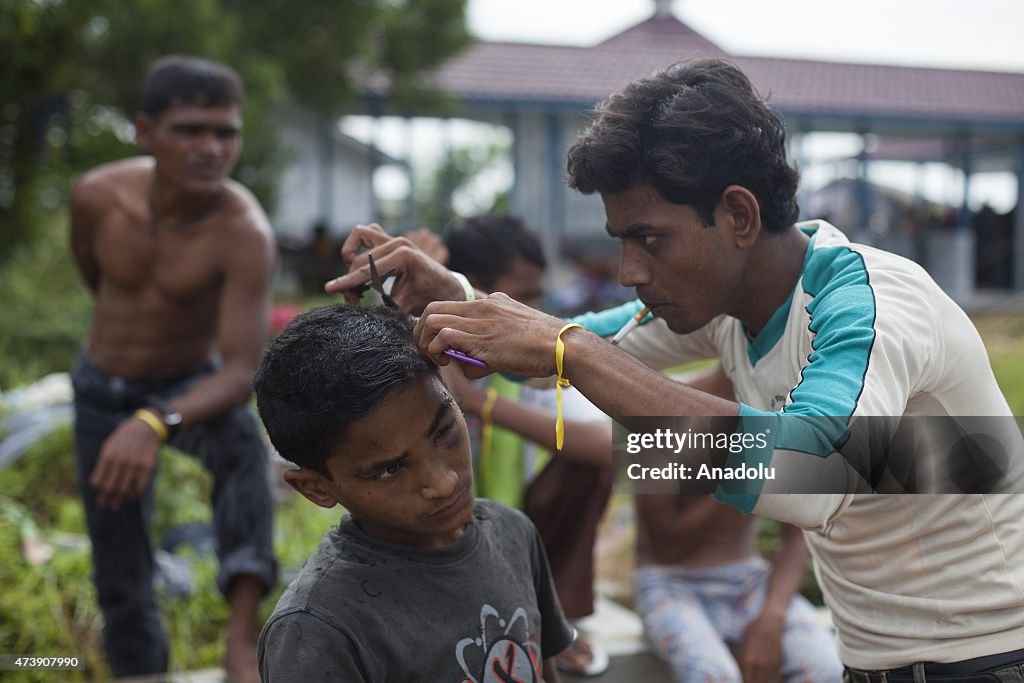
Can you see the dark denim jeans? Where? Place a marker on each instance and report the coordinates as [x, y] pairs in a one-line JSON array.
[[230, 447], [1012, 672]]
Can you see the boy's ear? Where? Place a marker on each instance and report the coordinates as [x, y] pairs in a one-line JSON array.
[[312, 485]]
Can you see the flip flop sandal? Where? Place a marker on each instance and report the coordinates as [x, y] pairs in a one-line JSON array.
[[598, 662]]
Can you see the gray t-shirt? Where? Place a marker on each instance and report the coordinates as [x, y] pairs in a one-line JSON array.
[[480, 609]]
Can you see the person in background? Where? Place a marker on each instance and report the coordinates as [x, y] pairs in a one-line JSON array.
[[713, 608], [179, 259]]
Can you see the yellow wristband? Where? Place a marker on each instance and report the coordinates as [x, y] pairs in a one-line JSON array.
[[562, 382], [488, 424], [155, 423], [488, 406]]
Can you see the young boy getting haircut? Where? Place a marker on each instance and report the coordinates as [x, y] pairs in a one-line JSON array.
[[418, 582]]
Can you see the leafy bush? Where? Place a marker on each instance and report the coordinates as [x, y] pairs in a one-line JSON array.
[[46, 308], [48, 610], [52, 608]]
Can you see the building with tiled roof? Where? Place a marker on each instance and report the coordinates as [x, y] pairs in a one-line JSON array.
[[973, 120]]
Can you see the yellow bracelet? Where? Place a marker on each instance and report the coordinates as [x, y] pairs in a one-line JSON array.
[[562, 382], [155, 423], [488, 406], [488, 425]]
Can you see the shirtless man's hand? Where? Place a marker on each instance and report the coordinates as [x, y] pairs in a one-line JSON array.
[[126, 464]]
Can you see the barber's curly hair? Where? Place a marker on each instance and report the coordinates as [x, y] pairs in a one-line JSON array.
[[689, 131]]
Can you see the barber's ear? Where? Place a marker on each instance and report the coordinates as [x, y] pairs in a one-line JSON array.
[[312, 485], [742, 214]]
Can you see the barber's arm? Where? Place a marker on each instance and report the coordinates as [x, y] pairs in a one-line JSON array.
[[869, 357], [518, 340]]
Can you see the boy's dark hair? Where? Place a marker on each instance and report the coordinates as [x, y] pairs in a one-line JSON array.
[[689, 131], [184, 79], [328, 368], [484, 247]]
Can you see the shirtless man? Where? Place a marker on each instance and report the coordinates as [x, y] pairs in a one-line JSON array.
[[179, 258], [713, 608]]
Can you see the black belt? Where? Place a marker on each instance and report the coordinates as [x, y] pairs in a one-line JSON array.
[[966, 666]]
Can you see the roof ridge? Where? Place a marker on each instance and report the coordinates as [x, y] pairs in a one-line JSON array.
[[657, 27]]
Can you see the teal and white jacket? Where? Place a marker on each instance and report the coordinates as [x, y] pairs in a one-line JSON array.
[[908, 577]]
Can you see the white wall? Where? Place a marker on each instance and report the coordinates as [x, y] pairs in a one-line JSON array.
[[302, 196]]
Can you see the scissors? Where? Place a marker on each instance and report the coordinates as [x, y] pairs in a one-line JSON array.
[[377, 283]]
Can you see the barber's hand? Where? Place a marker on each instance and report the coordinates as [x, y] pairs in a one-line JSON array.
[[126, 464], [760, 654], [421, 279], [508, 336]]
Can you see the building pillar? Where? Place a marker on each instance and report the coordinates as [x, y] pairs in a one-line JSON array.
[[865, 194], [512, 122], [951, 252], [919, 208], [1017, 262], [447, 194], [326, 198], [964, 218], [410, 201], [554, 225], [375, 208]]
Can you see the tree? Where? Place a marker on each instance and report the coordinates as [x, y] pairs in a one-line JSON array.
[[70, 80], [439, 192]]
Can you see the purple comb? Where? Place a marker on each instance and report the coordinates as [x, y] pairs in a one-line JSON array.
[[459, 355]]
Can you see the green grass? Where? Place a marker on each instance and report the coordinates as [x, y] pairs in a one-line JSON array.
[[1004, 339], [1009, 369]]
